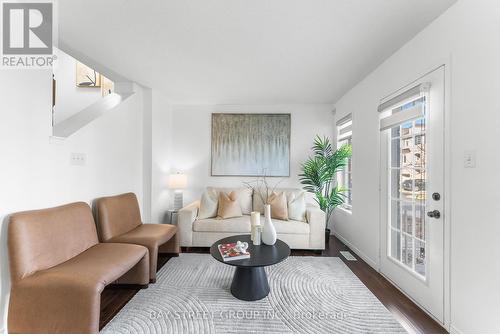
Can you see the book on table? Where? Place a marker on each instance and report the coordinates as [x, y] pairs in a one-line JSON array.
[[229, 252]]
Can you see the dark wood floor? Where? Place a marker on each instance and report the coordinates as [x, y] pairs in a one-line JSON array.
[[412, 318]]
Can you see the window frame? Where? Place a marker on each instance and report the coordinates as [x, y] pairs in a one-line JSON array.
[[344, 178]]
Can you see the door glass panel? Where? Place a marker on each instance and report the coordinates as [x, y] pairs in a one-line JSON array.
[[419, 126], [407, 129], [396, 132], [419, 184], [396, 153], [407, 250], [396, 242], [396, 215], [420, 257], [420, 220], [408, 178], [407, 217], [406, 190], [395, 183]]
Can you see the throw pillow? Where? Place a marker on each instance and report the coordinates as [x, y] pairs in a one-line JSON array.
[[297, 206], [279, 207], [208, 204], [229, 207], [244, 196]]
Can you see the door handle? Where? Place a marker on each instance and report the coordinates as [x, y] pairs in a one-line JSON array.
[[434, 214]]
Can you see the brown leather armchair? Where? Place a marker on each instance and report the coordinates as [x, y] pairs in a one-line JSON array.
[[58, 270], [119, 220]]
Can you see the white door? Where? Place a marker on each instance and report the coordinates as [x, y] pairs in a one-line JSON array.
[[412, 185]]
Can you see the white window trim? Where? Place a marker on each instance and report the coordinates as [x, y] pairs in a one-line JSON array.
[[343, 132]]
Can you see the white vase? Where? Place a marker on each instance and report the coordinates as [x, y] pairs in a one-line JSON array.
[[268, 232]]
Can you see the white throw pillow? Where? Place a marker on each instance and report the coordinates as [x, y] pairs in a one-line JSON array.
[[296, 200], [209, 204], [297, 206]]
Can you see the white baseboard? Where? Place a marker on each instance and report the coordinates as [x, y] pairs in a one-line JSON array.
[[359, 253], [454, 330]]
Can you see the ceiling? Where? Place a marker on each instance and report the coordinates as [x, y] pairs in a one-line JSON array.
[[244, 51]]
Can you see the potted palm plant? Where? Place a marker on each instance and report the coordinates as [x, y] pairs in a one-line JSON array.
[[319, 176]]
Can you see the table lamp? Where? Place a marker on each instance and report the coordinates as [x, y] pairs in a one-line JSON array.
[[177, 182]]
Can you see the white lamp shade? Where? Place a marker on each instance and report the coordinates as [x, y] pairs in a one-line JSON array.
[[177, 181]]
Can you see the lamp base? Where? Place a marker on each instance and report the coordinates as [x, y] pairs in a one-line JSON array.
[[178, 200]]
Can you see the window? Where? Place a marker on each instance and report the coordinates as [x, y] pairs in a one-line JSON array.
[[344, 137]]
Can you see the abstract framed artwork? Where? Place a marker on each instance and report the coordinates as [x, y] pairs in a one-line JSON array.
[[250, 144]]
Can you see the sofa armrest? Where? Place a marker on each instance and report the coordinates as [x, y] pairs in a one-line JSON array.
[[186, 217], [317, 224]]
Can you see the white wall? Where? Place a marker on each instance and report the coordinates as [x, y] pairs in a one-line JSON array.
[[467, 36], [70, 99], [147, 152], [189, 144], [161, 157], [35, 172]]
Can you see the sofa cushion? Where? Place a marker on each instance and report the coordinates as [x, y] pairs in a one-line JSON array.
[[244, 196], [290, 227], [233, 225], [242, 225]]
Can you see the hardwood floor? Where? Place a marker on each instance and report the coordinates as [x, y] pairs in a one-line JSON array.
[[411, 317]]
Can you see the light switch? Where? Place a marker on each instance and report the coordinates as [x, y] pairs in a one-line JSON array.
[[78, 159], [470, 159]]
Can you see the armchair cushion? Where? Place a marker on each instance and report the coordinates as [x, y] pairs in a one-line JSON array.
[[117, 215], [41, 239], [98, 266], [149, 235]]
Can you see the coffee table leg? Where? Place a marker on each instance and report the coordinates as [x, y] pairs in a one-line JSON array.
[[250, 283]]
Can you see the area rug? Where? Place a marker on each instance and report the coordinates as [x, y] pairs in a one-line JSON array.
[[308, 295]]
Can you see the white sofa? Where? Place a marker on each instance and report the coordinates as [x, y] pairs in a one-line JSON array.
[[194, 232]]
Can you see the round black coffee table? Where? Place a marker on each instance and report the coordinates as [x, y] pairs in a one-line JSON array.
[[250, 279]]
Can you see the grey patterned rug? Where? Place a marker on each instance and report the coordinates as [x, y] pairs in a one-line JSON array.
[[308, 295]]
